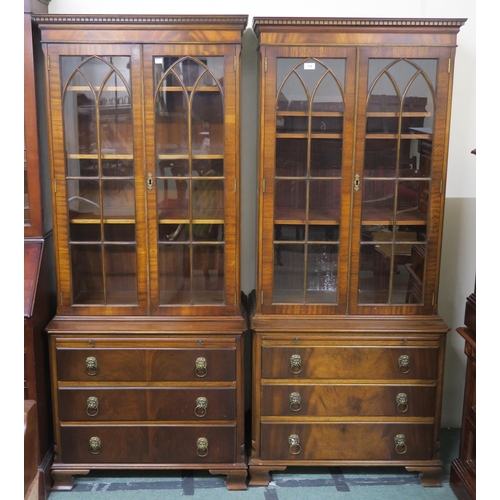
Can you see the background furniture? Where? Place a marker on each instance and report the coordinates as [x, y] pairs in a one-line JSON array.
[[146, 347], [463, 469], [39, 284], [348, 347]]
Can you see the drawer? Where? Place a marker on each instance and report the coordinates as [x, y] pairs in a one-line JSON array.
[[135, 404], [348, 400], [149, 364], [147, 444], [352, 362], [346, 441]]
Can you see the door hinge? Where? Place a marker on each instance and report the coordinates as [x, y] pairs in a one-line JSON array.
[[235, 63], [261, 298], [441, 186], [433, 299], [235, 302], [265, 64], [235, 185], [61, 298], [55, 185], [263, 185], [48, 63], [449, 65]]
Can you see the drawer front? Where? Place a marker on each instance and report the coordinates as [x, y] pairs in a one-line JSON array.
[[135, 404], [147, 444], [351, 441], [136, 365], [348, 400], [355, 363]]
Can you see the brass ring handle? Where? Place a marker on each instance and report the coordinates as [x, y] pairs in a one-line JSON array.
[[295, 401], [202, 447], [400, 441], [295, 364], [200, 409], [402, 402], [404, 363], [91, 366], [92, 406], [294, 443], [201, 367], [95, 445]]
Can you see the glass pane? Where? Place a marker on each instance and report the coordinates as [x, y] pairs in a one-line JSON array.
[[207, 127], [380, 158], [208, 274], [289, 273], [374, 274], [290, 200], [173, 168], [378, 200], [117, 168], [84, 232], [322, 263], [87, 274], [286, 232], [119, 232], [326, 157], [121, 274], [208, 168], [174, 274], [115, 117], [323, 233], [118, 198], [208, 199], [291, 157], [83, 198], [173, 198], [173, 232], [208, 232], [80, 120], [324, 200]]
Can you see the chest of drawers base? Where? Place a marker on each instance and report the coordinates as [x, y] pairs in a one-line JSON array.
[[147, 394], [347, 392]]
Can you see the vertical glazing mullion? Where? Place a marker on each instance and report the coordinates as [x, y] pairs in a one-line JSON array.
[[101, 196], [189, 101]]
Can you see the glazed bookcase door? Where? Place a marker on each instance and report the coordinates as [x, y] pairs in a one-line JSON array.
[[307, 130], [399, 178], [191, 152], [95, 106]]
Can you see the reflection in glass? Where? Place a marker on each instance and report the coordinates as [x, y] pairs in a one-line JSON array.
[[174, 274], [208, 199], [118, 198], [324, 200], [98, 138], [83, 198], [290, 199], [291, 157], [208, 274], [173, 197], [308, 176], [326, 157], [322, 266], [87, 274], [190, 184], [119, 232], [289, 273], [121, 274]]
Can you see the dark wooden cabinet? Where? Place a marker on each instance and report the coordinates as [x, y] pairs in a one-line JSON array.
[[463, 468], [39, 285], [146, 347], [348, 346]]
